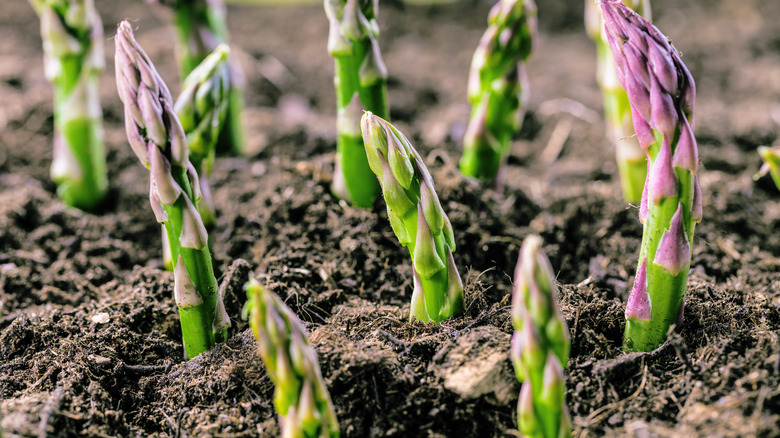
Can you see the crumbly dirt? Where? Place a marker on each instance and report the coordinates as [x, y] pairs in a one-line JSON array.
[[89, 335]]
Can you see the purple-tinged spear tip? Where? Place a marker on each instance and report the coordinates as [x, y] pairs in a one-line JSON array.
[[674, 251], [639, 305]]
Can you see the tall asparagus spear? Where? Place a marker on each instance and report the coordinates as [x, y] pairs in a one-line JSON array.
[[661, 92], [360, 82], [417, 218], [632, 164], [301, 398], [157, 138], [540, 346], [498, 87], [73, 57], [201, 25], [771, 157]]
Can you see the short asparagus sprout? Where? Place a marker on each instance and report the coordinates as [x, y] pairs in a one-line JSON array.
[[157, 138], [360, 81], [72, 37], [771, 157], [540, 346], [631, 161], [498, 88], [301, 398], [661, 92], [201, 26], [417, 219]]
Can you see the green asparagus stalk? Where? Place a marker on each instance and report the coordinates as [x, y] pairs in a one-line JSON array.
[[360, 81], [201, 26], [157, 138], [771, 157], [417, 219], [661, 92], [498, 88], [201, 109], [632, 164], [72, 37], [301, 398], [540, 346]]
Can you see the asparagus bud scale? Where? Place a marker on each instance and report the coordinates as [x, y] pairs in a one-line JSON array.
[[72, 37], [661, 92], [417, 219], [540, 346], [157, 138], [301, 397]]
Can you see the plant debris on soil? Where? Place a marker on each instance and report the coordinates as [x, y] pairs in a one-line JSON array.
[[89, 338]]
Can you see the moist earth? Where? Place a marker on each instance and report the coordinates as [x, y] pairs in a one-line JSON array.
[[89, 335]]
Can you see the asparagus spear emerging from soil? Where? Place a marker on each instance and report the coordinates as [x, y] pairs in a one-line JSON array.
[[632, 164], [417, 218], [73, 57], [360, 83], [540, 346], [201, 109], [301, 398], [498, 87], [157, 138], [201, 25], [771, 157], [661, 92]]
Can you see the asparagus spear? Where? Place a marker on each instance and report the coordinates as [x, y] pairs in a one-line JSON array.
[[417, 218], [360, 82], [540, 346], [157, 138], [201, 109], [632, 164], [201, 25], [498, 87], [73, 57], [771, 157], [661, 92], [301, 398]]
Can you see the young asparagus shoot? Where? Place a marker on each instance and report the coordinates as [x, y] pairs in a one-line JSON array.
[[771, 157], [360, 81], [301, 398], [201, 26], [157, 138], [72, 37], [498, 88], [417, 219], [661, 92], [201, 108], [540, 346], [631, 161]]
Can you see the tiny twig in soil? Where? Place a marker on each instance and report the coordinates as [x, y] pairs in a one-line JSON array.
[[393, 340], [142, 370]]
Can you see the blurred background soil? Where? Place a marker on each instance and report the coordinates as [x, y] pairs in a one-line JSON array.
[[89, 336]]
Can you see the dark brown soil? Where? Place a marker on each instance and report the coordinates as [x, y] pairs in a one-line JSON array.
[[89, 336]]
